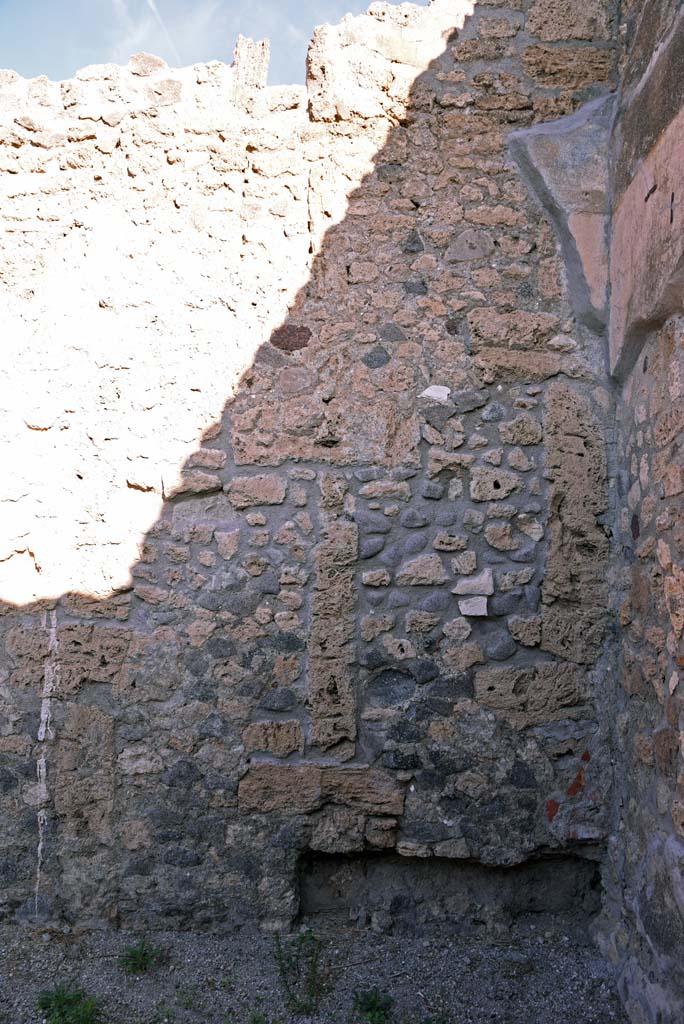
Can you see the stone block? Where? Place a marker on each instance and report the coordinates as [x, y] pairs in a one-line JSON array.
[[291, 789], [527, 631], [227, 542], [249, 491], [457, 629], [423, 571], [473, 607], [279, 738], [567, 67], [523, 430], [461, 657], [519, 330], [482, 584], [557, 21], [366, 789], [533, 695], [376, 578], [492, 484], [471, 244]]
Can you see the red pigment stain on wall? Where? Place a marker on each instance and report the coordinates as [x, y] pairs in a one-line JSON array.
[[578, 783], [552, 809]]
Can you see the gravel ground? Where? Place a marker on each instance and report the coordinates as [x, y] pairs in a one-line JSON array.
[[542, 977]]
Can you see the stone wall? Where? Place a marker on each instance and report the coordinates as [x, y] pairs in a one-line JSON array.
[[645, 933], [306, 532]]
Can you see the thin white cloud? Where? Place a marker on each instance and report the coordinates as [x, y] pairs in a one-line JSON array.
[[132, 32], [123, 14], [152, 4]]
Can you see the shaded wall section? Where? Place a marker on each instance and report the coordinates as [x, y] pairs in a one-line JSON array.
[[364, 608], [646, 892]]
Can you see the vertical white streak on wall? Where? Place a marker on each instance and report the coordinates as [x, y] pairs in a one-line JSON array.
[[46, 734], [50, 679]]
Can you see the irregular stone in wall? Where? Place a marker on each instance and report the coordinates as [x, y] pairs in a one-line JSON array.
[[556, 20], [369, 789], [492, 484], [227, 542], [666, 746], [341, 431], [138, 759], [277, 738], [301, 789], [332, 695], [85, 782], [501, 537], [208, 458], [84, 801], [267, 787], [519, 330], [482, 584], [376, 578], [530, 696], [248, 491], [386, 489], [332, 700], [338, 830], [567, 67], [196, 482], [440, 460], [527, 631], [462, 657], [87, 654], [674, 596], [573, 632], [523, 430], [144, 64], [153, 667], [291, 337], [422, 571], [574, 589], [117, 607], [457, 629], [502, 366], [474, 607], [471, 244]]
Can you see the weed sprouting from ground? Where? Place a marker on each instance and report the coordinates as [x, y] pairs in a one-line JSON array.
[[67, 1003], [374, 1006], [141, 957], [302, 973], [189, 997], [163, 1014]]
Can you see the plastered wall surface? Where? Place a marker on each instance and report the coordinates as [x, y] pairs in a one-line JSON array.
[[306, 537]]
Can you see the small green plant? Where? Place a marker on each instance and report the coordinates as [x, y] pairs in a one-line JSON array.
[[163, 1014], [141, 957], [302, 972], [67, 1003], [189, 997], [374, 1006]]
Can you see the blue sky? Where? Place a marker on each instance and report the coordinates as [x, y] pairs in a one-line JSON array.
[[56, 37]]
